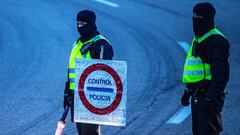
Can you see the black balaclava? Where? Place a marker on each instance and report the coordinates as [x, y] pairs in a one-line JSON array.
[[90, 28], [204, 23]]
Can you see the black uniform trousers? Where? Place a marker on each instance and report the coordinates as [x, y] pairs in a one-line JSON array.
[[206, 115], [83, 128], [86, 129]]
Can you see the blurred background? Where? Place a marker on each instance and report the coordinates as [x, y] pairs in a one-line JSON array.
[[35, 42]]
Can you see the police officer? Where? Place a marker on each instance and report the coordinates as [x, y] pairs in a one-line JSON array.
[[206, 72], [90, 45]]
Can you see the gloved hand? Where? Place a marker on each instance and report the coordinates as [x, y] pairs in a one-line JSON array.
[[68, 95], [68, 99], [185, 98]]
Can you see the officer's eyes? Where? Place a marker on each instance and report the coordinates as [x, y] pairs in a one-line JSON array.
[[81, 23]]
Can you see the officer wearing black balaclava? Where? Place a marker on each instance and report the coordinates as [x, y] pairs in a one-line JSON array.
[[86, 24], [92, 45], [206, 72], [203, 18]]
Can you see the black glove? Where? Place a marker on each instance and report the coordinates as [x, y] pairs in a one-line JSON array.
[[68, 96], [185, 98]]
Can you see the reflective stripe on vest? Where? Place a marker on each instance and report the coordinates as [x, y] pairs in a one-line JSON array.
[[76, 53], [194, 69]]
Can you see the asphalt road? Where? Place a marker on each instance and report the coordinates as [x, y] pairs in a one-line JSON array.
[[35, 42]]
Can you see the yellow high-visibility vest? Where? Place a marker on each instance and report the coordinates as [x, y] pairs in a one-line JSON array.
[[76, 53], [194, 69]]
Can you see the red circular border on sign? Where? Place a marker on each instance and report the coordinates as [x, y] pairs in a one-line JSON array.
[[113, 73]]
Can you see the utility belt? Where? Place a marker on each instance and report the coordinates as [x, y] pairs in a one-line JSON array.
[[200, 93], [198, 89], [203, 91], [197, 92]]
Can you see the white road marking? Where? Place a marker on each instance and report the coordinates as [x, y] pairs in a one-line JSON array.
[[180, 116], [111, 4], [184, 112], [185, 46]]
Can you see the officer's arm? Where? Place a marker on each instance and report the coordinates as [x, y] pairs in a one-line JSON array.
[[219, 66], [102, 48], [67, 84]]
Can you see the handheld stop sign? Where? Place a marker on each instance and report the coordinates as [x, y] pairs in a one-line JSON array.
[[100, 92]]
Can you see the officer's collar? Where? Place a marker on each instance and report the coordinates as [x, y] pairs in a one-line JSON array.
[[207, 34]]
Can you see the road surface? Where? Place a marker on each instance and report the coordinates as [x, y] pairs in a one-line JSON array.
[[35, 43]]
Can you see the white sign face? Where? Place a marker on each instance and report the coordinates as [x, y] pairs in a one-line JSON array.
[[100, 92]]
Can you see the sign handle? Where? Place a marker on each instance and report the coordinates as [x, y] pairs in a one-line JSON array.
[[99, 130], [101, 57]]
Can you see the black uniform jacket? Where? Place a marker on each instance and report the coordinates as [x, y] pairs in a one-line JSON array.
[[215, 51]]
